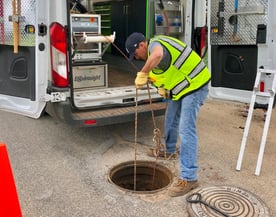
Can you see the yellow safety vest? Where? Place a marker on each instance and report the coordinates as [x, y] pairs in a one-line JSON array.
[[186, 73]]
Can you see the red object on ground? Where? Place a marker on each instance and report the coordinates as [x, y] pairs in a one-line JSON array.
[[9, 203]]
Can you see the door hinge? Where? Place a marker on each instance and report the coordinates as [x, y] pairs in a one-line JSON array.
[[54, 97]]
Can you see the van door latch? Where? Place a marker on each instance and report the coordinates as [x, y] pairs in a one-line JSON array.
[[42, 29]]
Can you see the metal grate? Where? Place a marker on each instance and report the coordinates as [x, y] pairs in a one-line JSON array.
[[27, 18], [250, 13]]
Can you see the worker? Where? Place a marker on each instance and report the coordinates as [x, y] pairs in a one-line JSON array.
[[182, 78]]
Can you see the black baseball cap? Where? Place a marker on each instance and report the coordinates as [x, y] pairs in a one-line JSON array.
[[132, 43]]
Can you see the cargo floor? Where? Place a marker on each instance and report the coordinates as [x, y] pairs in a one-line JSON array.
[[120, 71], [119, 78]]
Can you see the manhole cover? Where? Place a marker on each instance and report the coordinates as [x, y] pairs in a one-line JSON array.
[[150, 176], [231, 201]]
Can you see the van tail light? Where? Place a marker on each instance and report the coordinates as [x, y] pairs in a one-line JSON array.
[[59, 55], [203, 41], [262, 86], [200, 40]]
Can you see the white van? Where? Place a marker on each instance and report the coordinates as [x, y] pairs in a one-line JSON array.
[[55, 58]]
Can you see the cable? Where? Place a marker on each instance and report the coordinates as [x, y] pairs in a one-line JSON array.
[[162, 8], [76, 4]]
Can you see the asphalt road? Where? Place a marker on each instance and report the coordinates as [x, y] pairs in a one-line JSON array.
[[62, 171]]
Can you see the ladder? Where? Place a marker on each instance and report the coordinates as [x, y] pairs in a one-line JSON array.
[[269, 94]]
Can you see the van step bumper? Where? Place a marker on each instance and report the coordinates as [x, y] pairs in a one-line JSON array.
[[106, 116]]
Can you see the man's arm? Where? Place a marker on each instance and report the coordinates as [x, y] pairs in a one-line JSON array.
[[154, 59]]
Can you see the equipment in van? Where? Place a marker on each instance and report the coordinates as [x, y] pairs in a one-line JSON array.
[[86, 37]]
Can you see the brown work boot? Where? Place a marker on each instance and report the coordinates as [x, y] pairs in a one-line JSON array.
[[153, 152], [182, 187]]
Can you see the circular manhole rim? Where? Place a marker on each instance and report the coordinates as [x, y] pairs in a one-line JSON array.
[[150, 164]]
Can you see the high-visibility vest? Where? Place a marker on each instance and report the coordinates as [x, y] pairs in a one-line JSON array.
[[186, 73]]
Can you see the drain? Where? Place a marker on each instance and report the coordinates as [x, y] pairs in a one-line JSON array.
[[122, 175], [230, 200]]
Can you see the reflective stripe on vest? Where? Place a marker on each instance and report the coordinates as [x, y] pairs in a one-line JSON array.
[[181, 86], [185, 51], [172, 43], [182, 57]]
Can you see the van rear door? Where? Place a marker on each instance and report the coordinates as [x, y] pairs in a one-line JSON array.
[[239, 45], [23, 57]]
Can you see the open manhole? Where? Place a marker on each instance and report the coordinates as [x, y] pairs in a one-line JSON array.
[[150, 176]]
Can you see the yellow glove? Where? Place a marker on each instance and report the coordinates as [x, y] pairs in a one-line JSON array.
[[141, 79], [162, 92]]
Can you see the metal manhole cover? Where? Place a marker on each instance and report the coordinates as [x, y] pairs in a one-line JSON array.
[[228, 200]]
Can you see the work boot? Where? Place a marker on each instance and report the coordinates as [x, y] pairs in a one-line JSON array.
[[182, 187], [153, 152]]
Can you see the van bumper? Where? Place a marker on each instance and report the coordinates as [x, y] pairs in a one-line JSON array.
[[103, 116]]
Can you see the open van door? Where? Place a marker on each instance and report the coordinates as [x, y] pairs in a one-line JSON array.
[[23, 56], [241, 39]]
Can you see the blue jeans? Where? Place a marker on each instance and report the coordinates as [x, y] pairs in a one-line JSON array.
[[180, 118]]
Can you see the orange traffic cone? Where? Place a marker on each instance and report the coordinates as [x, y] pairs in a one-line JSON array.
[[9, 203]]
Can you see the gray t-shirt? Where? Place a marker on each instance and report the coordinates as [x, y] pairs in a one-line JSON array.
[[166, 60]]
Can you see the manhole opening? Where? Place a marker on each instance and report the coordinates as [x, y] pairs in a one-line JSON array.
[[150, 176]]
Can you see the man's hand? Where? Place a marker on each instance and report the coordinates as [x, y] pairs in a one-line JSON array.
[[141, 79], [162, 92]]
